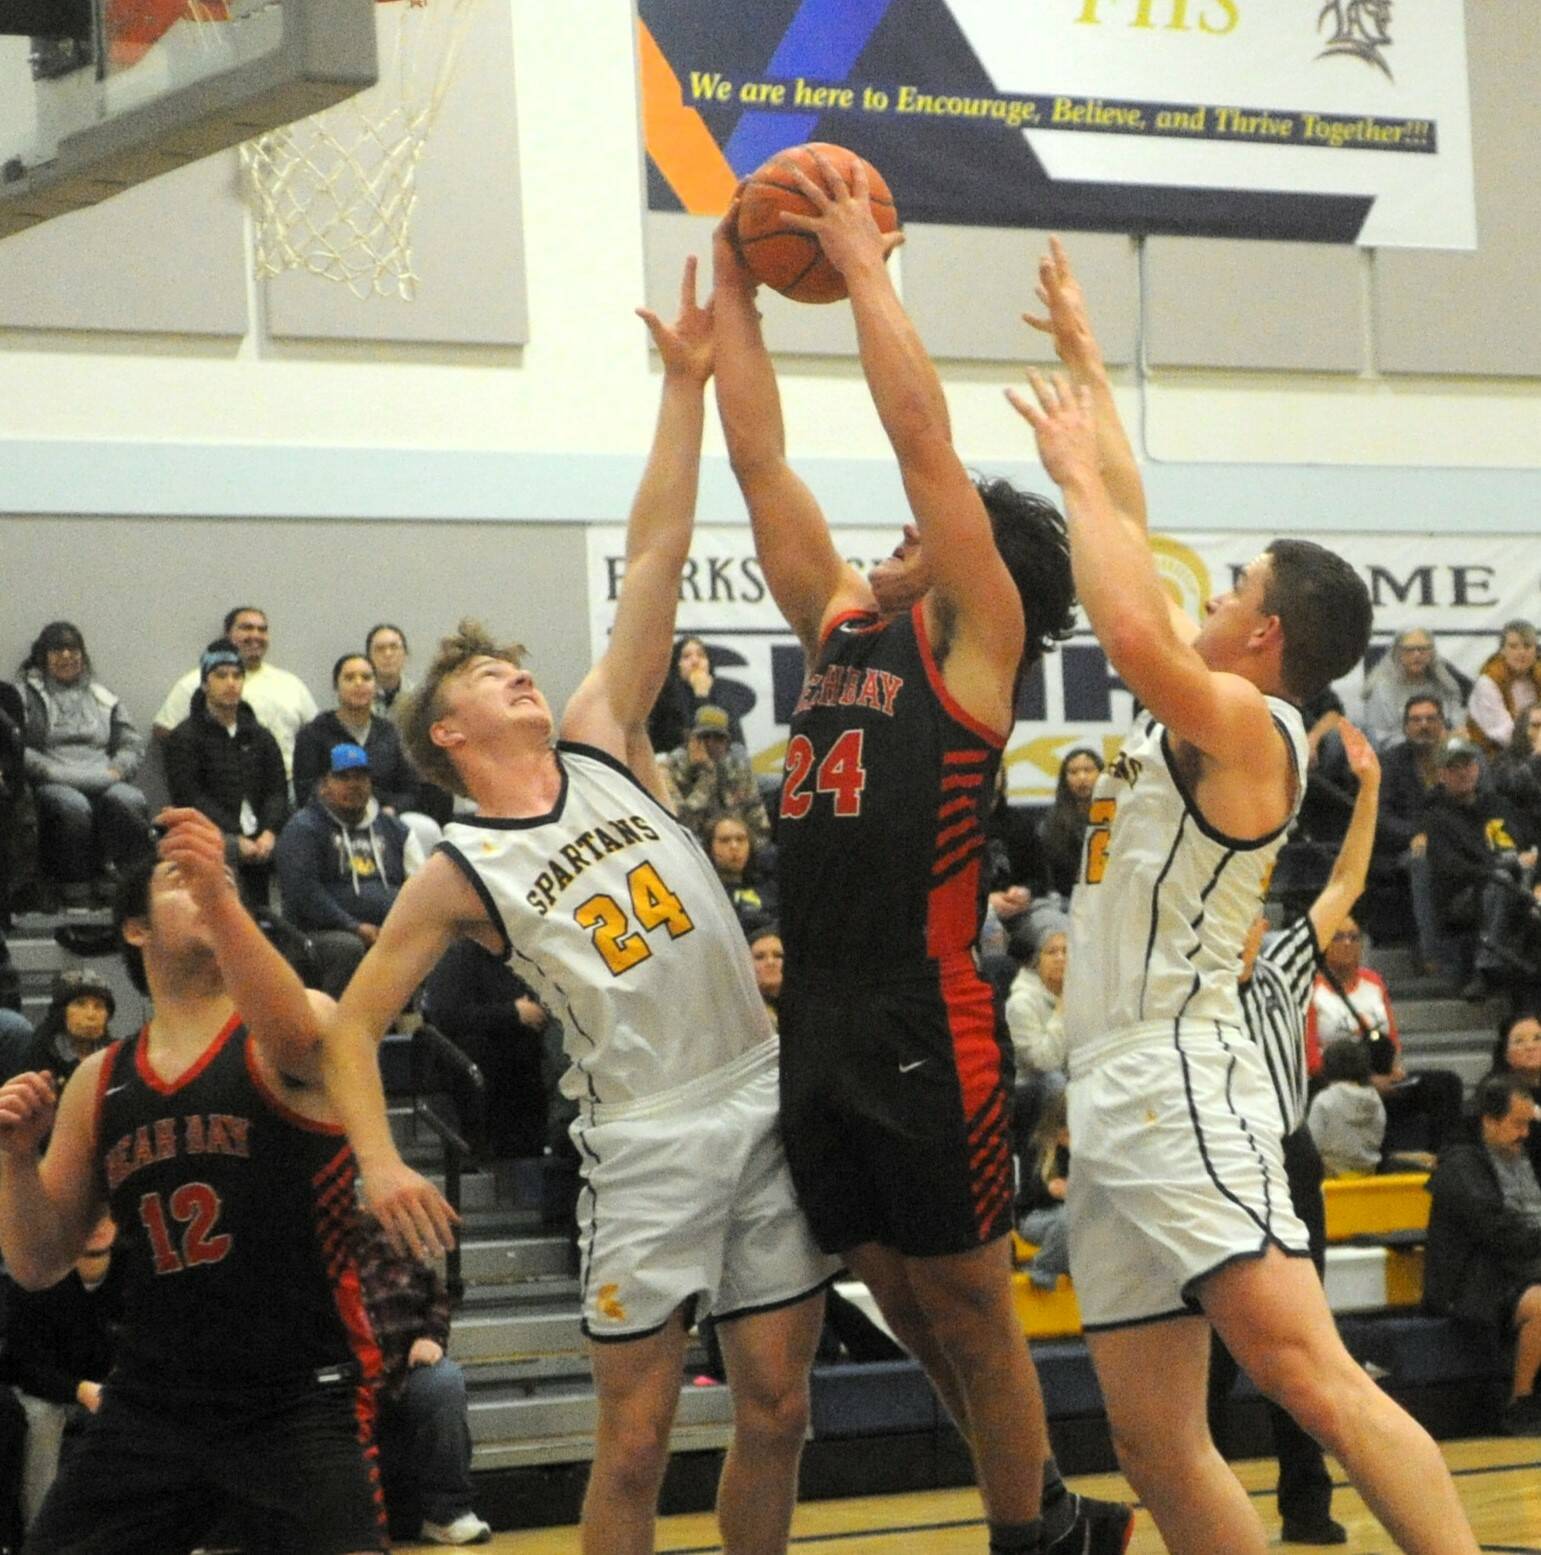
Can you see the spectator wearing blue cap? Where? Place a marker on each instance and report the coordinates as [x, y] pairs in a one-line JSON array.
[[341, 861], [221, 761]]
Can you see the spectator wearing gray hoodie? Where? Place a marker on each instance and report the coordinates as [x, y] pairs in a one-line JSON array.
[[82, 751], [1347, 1117], [341, 861]]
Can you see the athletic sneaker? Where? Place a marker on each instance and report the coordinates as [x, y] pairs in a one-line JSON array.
[[1098, 1528], [468, 1528]]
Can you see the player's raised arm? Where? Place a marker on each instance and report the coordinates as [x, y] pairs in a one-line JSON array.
[[610, 709], [807, 577], [1224, 715], [969, 580], [1351, 868], [47, 1207]]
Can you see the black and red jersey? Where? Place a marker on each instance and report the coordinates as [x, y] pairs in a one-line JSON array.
[[881, 840], [231, 1210]]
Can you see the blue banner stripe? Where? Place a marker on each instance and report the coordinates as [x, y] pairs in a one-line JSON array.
[[823, 42]]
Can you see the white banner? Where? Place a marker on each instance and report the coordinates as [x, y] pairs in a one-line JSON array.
[[1462, 588]]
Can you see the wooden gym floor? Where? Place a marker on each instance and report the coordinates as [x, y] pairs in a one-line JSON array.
[[1499, 1481]]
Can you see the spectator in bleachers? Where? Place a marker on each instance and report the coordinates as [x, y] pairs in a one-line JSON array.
[[354, 721], [735, 857], [1347, 1118], [1018, 874], [1351, 1001], [1064, 827], [1478, 873], [58, 1352], [1035, 1004], [1041, 1207], [1518, 1052], [1506, 685], [423, 1429], [18, 809], [386, 649], [694, 685], [492, 1015], [765, 950], [1483, 1259], [1409, 774], [80, 1009], [82, 751], [281, 702], [221, 761], [341, 863], [707, 777], [1410, 667], [1517, 772]]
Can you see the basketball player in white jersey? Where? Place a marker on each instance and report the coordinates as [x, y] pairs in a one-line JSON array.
[[574, 870], [1179, 1206]]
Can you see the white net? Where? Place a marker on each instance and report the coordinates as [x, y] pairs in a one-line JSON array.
[[335, 194]]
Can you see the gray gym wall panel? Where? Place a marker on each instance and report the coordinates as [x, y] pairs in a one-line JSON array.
[[165, 257], [149, 593], [1479, 313], [1261, 307], [967, 288], [791, 328], [468, 237]]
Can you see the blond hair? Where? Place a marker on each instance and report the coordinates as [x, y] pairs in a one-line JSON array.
[[421, 709]]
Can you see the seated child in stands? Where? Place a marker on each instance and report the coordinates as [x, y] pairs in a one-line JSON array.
[[1347, 1117], [1044, 1182]]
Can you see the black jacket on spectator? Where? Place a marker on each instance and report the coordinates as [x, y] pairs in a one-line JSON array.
[[1403, 798], [1480, 1254], [55, 1339], [210, 770], [1016, 855], [391, 776], [1462, 855], [1519, 785]]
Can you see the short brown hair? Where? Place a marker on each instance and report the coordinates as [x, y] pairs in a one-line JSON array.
[[1324, 611], [421, 709]]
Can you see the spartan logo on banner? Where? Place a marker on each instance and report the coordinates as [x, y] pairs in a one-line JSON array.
[[1228, 118], [1462, 588]]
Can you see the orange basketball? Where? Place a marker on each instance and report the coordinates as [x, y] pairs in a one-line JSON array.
[[782, 257]]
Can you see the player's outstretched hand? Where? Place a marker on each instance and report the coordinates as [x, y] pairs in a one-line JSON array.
[[27, 1106], [685, 345], [1064, 423], [1066, 319], [842, 220], [197, 847], [1362, 760], [416, 1218]]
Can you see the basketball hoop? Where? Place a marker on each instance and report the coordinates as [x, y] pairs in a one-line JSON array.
[[335, 194]]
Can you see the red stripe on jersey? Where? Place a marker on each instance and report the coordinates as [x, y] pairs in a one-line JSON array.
[[837, 621], [949, 702], [963, 780], [952, 913], [963, 758], [332, 1167], [171, 1087], [957, 829], [962, 802], [970, 1010], [948, 860]]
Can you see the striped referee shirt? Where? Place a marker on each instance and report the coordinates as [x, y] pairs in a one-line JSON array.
[[1273, 1004]]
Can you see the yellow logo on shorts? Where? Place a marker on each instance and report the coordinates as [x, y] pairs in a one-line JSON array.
[[607, 1304]]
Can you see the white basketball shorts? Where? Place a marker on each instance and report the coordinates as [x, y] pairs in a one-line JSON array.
[[1176, 1170], [689, 1201]]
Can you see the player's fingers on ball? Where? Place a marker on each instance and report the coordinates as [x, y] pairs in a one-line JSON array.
[[801, 220], [818, 196], [859, 182], [891, 241], [834, 184]]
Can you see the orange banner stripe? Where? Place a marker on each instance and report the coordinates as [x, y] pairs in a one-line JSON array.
[[677, 139]]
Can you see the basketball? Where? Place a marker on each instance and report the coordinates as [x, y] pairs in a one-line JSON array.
[[789, 261]]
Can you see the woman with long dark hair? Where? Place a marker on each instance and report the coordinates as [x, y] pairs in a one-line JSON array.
[[693, 685], [1064, 827]]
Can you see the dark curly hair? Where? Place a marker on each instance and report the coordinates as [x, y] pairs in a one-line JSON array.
[[1031, 537]]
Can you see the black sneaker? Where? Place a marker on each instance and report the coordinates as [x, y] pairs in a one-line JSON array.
[[1097, 1528], [1314, 1530]]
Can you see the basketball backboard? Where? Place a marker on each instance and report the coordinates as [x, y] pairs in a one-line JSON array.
[[99, 95]]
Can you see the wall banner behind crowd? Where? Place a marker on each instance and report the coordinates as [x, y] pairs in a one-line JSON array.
[[1462, 588], [1339, 122]]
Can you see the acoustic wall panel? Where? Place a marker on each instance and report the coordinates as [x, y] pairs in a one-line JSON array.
[[968, 287], [1479, 313], [163, 258], [468, 241], [1260, 307]]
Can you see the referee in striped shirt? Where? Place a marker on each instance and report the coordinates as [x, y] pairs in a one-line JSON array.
[[1275, 990]]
